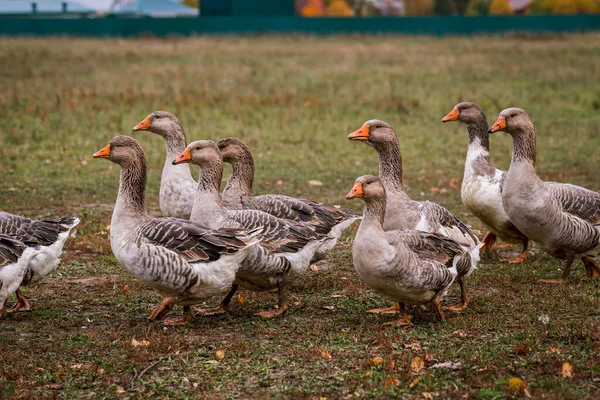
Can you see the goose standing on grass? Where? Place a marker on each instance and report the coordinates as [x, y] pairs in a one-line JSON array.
[[177, 186], [564, 219], [15, 256], [403, 266], [183, 261], [404, 213], [50, 235], [237, 195], [285, 250], [482, 182]]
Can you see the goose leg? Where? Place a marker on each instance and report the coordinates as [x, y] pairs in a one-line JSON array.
[[22, 304], [188, 315], [591, 267], [405, 318], [222, 308], [394, 309], [464, 297], [436, 302], [524, 255], [3, 308], [488, 241], [565, 275], [281, 305], [163, 308]]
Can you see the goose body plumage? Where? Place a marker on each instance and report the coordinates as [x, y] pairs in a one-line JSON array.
[[50, 235], [286, 248], [185, 262], [403, 266], [177, 185], [481, 190], [564, 219], [404, 213], [15, 256], [323, 218]]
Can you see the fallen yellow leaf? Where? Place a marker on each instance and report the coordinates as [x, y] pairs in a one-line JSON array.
[[220, 354], [516, 383], [414, 382], [391, 381], [76, 366], [375, 361], [120, 390], [136, 343], [417, 364], [325, 355], [567, 370], [367, 374], [126, 288], [241, 299]]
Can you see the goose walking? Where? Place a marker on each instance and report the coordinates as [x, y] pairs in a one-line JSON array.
[[185, 262], [564, 219], [404, 213], [403, 266], [50, 235], [481, 190], [15, 256], [286, 248], [177, 186], [237, 195]]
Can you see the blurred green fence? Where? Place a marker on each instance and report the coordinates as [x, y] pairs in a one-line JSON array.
[[434, 25]]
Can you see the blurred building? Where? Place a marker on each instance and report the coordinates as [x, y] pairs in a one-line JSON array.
[[152, 8], [43, 8]]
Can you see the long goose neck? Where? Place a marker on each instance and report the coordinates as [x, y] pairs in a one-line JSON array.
[[374, 211], [242, 176], [390, 165], [207, 203], [132, 187], [479, 138], [175, 141], [524, 146]]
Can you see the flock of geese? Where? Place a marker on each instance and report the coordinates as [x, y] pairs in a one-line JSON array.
[[209, 243]]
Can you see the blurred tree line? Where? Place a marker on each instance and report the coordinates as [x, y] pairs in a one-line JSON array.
[[348, 8]]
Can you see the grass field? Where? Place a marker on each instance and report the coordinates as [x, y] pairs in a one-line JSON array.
[[293, 100]]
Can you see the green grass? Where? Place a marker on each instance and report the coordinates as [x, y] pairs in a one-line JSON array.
[[293, 100]]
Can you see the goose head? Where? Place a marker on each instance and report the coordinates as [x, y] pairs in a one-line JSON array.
[[201, 153], [232, 149], [367, 187], [122, 150], [374, 132], [162, 123], [512, 121], [466, 112]]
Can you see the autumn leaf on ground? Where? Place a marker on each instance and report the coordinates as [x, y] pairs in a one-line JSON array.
[[567, 370], [417, 364], [325, 355], [126, 288], [521, 349], [120, 390], [414, 382], [142, 342], [76, 366], [553, 350], [391, 381], [241, 299], [515, 383], [375, 361], [220, 354]]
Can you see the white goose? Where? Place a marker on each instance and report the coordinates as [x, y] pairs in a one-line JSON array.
[[482, 182], [286, 248], [404, 213], [237, 195], [50, 235], [403, 266], [177, 186], [564, 219], [183, 261]]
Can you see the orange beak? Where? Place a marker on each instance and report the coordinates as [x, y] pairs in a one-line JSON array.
[[356, 192], [144, 125], [452, 115], [104, 153], [499, 125], [361, 134], [185, 156]]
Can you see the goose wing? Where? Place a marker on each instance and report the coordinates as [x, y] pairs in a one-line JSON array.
[[10, 250], [44, 232], [433, 213], [577, 201]]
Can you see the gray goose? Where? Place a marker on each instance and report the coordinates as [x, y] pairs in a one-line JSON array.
[[16, 252], [185, 262], [564, 219], [404, 213], [482, 182], [285, 250], [177, 186], [237, 195], [50, 235], [403, 266]]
